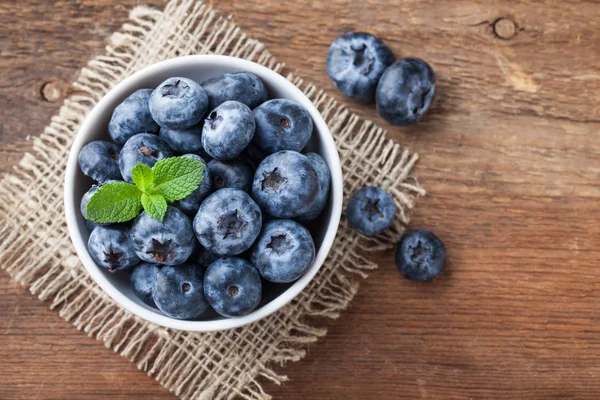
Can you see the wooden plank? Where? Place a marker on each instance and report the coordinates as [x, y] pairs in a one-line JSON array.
[[510, 157]]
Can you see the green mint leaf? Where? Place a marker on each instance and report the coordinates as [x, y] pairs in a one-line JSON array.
[[143, 177], [114, 202], [155, 205], [175, 178]]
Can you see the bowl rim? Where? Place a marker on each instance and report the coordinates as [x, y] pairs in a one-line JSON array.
[[124, 88]]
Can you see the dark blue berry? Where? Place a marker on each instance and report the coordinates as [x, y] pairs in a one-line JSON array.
[[203, 257], [145, 148], [100, 161], [110, 248], [183, 141], [142, 280], [190, 204], [371, 210], [420, 256], [324, 183], [131, 117], [405, 91], [234, 174], [283, 251], [228, 130], [232, 287], [285, 184], [244, 87], [178, 103], [228, 222], [355, 63], [169, 242], [282, 124], [179, 292]]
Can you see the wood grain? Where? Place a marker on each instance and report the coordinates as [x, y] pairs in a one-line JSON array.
[[510, 155]]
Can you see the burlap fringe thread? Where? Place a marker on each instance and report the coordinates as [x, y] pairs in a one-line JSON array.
[[37, 252]]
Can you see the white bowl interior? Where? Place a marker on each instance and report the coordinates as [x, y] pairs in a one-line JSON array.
[[199, 68]]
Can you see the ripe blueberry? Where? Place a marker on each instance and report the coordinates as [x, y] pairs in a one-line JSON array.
[[228, 130], [420, 256], [371, 210], [131, 117], [355, 63], [100, 161], [405, 91], [145, 148], [178, 291], [178, 103], [110, 248]]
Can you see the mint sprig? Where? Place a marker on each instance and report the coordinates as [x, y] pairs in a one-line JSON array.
[[169, 180]]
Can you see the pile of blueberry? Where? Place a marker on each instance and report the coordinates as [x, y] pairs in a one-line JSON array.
[[362, 67], [243, 227]]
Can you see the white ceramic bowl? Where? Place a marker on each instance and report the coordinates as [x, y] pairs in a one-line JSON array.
[[198, 68]]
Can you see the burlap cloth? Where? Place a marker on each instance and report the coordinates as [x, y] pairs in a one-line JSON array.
[[36, 250]]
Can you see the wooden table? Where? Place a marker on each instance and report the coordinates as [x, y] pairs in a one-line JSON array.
[[510, 155]]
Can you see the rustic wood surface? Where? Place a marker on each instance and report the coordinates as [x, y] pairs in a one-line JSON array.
[[510, 155]]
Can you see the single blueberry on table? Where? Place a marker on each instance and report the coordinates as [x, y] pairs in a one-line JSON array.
[[355, 63], [405, 91], [234, 174], [142, 280], [371, 210], [169, 242], [420, 256], [244, 87], [324, 182], [228, 222], [178, 103], [282, 124], [132, 116], [190, 204], [100, 161], [285, 184], [179, 292], [232, 286], [228, 130], [283, 251], [184, 140], [110, 248], [145, 148]]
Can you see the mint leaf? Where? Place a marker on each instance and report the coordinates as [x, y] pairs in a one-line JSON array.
[[114, 202], [155, 205], [177, 177], [143, 177]]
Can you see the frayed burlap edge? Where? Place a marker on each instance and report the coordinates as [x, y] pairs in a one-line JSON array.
[[37, 252]]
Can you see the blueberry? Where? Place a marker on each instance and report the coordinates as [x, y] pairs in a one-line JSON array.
[[405, 91], [145, 148], [253, 155], [232, 287], [183, 141], [190, 204], [203, 257], [324, 183], [142, 280], [178, 103], [244, 87], [282, 124], [132, 116], [231, 174], [420, 256], [100, 161], [228, 222], [371, 210], [228, 130], [179, 292], [110, 248], [355, 63], [169, 242], [286, 184], [283, 251]]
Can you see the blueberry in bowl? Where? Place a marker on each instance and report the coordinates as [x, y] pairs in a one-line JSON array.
[[157, 215]]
